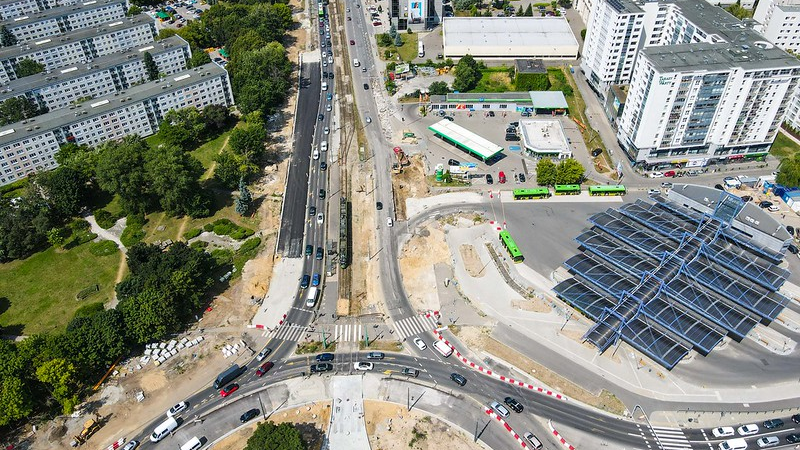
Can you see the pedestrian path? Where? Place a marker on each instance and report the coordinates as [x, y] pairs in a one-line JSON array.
[[348, 332], [670, 438], [412, 326], [287, 332]]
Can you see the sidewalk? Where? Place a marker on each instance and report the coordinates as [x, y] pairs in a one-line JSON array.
[[280, 296], [347, 430]]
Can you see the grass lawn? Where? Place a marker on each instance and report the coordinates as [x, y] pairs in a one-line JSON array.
[[493, 80], [784, 147], [38, 294], [408, 51], [208, 151]]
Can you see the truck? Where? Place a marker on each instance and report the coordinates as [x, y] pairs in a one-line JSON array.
[[311, 297], [420, 49], [90, 427], [230, 374], [443, 348], [401, 157]]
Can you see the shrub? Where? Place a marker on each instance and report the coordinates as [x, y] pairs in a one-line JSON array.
[[199, 245], [89, 309], [133, 232], [103, 248], [79, 224], [79, 238], [224, 227], [193, 233], [105, 219], [240, 233], [222, 256], [249, 245]]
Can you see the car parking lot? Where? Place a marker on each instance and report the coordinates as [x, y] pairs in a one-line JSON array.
[[180, 13]]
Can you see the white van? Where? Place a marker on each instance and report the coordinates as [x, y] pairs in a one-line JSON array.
[[733, 444], [311, 297], [324, 86], [443, 348], [356, 63], [193, 444], [161, 431]]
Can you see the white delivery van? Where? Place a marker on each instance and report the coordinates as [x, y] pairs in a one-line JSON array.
[[356, 63], [193, 444], [161, 431], [443, 348], [311, 297], [324, 86], [733, 444]]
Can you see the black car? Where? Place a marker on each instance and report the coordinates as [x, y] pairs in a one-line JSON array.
[[746, 198], [309, 250], [323, 165], [513, 124], [304, 282], [489, 179], [522, 178], [321, 117], [513, 404], [596, 152], [375, 355], [793, 249], [320, 253], [790, 229], [450, 118], [459, 379], [325, 75], [322, 193], [796, 418], [378, 206], [324, 357], [512, 137], [453, 162], [719, 186], [772, 424], [793, 438], [249, 415], [764, 204], [320, 368], [366, 86], [312, 211]]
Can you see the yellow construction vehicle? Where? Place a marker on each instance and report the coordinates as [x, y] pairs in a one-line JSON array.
[[90, 427]]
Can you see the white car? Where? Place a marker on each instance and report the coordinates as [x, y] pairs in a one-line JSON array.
[[656, 175], [263, 354], [324, 146], [320, 218], [131, 445], [326, 130], [722, 432], [419, 342], [328, 107], [176, 409], [389, 222], [362, 365], [774, 208], [315, 155], [768, 441], [653, 192], [748, 430], [369, 120]]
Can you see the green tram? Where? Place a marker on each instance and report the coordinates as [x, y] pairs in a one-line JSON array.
[[511, 247], [567, 189], [525, 194], [607, 190]]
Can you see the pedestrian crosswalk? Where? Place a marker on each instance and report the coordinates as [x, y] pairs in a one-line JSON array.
[[411, 326], [288, 332], [670, 438]]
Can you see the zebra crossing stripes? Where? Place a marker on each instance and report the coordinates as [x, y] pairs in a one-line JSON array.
[[414, 325], [670, 438], [292, 333], [348, 332]]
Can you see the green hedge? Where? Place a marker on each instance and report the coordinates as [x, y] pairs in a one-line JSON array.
[[103, 248], [193, 233], [105, 219], [133, 232], [246, 252], [199, 245], [14, 189], [224, 227]]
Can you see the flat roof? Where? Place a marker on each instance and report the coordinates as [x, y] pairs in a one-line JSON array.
[[38, 125], [548, 99], [508, 31], [488, 97], [113, 26], [529, 66], [58, 12], [462, 137], [544, 136], [25, 84]]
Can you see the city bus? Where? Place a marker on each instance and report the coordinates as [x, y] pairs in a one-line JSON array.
[[567, 189], [321, 11], [511, 247], [607, 190], [524, 194]]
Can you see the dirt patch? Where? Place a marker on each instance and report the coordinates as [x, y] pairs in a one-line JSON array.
[[417, 259], [472, 262], [384, 346], [392, 427], [364, 267], [532, 305], [479, 339], [409, 184], [317, 415], [153, 381]]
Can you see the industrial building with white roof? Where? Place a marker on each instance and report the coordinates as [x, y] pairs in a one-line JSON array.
[[509, 37]]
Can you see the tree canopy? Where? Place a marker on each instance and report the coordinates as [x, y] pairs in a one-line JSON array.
[[16, 109], [270, 436], [268, 90], [789, 172], [121, 171], [27, 67], [467, 74], [438, 88], [545, 172]]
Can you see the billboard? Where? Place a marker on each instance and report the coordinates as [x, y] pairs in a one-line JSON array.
[[417, 11]]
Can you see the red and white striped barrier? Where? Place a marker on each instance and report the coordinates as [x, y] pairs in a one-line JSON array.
[[488, 372], [263, 327], [566, 444], [492, 414], [434, 314], [116, 445]]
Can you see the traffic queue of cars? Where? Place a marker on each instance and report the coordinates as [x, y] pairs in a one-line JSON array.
[[739, 443]]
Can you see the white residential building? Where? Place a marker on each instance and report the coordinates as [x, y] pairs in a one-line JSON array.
[[31, 145], [586, 7], [80, 46], [16, 8], [106, 75], [63, 19]]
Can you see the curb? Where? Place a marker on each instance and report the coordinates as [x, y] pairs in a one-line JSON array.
[[265, 327], [558, 436], [504, 378], [511, 431]]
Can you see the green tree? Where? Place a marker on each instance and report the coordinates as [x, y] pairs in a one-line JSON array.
[[16, 400], [196, 34], [121, 171], [245, 199], [261, 79], [182, 128], [739, 12], [529, 10], [96, 341], [7, 38], [398, 41], [789, 172], [232, 167], [172, 175], [199, 58], [15, 109], [56, 237], [384, 40], [59, 376], [438, 88], [248, 140], [545, 172], [165, 33], [583, 34], [392, 32], [27, 67], [569, 171], [150, 66], [81, 158], [467, 74], [216, 117], [464, 5], [150, 316], [270, 436], [23, 226], [247, 42], [64, 189], [133, 10]]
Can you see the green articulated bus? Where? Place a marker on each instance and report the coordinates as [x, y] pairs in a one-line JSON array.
[[321, 11], [607, 190], [511, 247], [568, 189], [524, 194]]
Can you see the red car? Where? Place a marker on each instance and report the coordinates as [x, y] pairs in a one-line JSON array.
[[501, 177], [669, 173], [264, 368], [229, 389]]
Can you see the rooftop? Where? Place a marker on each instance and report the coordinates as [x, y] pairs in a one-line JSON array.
[[459, 135], [488, 96], [543, 136], [73, 36], [529, 66], [508, 31], [58, 12], [26, 84], [625, 6], [21, 130], [548, 99]]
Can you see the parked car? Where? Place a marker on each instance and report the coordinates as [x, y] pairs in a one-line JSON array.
[[264, 368], [719, 186], [768, 441], [796, 418], [774, 208], [653, 192], [453, 162], [748, 430], [793, 438], [250, 414], [746, 198], [450, 118], [721, 432], [522, 178], [666, 185], [320, 368], [501, 177], [229, 389], [458, 379], [656, 174], [489, 179], [764, 204], [420, 344]]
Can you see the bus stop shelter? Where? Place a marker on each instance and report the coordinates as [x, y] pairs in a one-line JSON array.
[[465, 139]]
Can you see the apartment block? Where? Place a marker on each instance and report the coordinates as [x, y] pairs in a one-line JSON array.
[[106, 75], [10, 9], [64, 19], [31, 145], [586, 7], [79, 47]]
